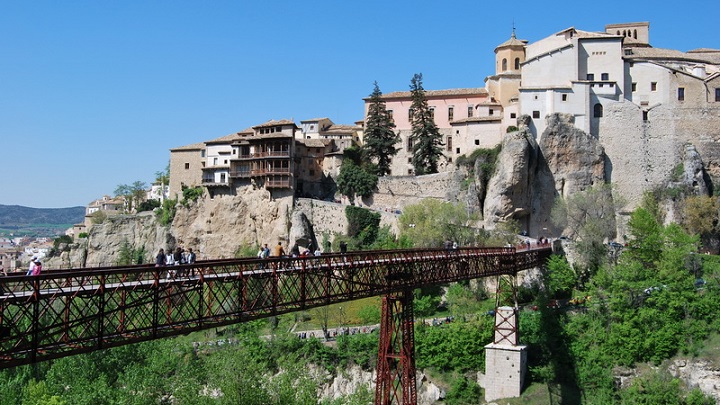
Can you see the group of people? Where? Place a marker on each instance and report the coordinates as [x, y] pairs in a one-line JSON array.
[[172, 258], [35, 267], [279, 251]]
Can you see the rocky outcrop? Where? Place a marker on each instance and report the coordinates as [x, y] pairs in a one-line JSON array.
[[698, 373], [509, 194], [530, 175], [217, 227], [354, 377]]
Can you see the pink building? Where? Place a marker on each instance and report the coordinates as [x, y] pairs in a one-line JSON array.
[[467, 118]]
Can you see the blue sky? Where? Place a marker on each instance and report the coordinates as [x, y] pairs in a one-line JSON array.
[[93, 94]]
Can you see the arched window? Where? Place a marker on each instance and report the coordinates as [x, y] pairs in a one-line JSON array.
[[504, 64], [517, 63], [635, 34], [598, 110]]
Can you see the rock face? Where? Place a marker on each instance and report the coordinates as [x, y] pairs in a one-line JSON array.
[[218, 227], [530, 176]]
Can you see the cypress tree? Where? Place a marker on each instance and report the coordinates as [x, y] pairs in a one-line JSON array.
[[426, 137], [380, 139]]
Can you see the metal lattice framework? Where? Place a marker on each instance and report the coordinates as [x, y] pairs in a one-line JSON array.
[[396, 358], [61, 313]]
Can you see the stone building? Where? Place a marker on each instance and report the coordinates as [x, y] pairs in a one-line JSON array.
[[467, 119], [276, 155], [186, 163]]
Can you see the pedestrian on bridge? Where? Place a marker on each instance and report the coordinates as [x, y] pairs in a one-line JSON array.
[[160, 258], [31, 267], [278, 250]]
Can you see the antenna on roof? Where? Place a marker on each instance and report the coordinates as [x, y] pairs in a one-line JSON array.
[[513, 28]]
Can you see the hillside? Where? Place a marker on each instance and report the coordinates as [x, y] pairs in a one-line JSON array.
[[21, 220]]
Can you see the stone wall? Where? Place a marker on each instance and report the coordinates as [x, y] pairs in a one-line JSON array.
[[329, 218], [395, 192]]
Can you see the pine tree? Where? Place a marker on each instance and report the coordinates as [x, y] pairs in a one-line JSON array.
[[380, 139], [426, 137]]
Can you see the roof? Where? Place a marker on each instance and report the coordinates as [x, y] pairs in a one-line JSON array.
[[512, 42], [312, 143], [710, 56], [475, 91], [476, 119], [273, 123], [224, 139], [341, 129], [193, 146], [316, 120]]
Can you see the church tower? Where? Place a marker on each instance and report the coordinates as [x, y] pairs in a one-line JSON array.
[[504, 84]]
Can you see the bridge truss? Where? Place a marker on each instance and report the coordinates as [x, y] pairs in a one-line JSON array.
[[66, 312]]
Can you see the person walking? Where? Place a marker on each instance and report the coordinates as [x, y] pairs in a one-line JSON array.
[[278, 251], [31, 267], [160, 258]]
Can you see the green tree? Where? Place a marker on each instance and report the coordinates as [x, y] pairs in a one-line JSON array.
[[588, 217], [426, 137], [379, 137], [133, 194], [354, 180], [431, 222]]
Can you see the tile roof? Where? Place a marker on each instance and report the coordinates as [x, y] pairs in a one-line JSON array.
[[312, 143], [273, 123], [193, 146], [672, 54], [475, 91], [476, 119]]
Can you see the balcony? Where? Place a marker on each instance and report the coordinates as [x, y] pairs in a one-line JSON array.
[[241, 173], [275, 183], [278, 153]]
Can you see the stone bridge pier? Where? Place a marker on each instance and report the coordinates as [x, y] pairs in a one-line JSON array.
[[505, 359]]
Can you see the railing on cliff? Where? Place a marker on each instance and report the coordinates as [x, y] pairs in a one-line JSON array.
[[65, 312]]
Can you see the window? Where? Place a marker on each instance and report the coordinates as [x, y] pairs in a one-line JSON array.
[[390, 113], [187, 166], [536, 114], [598, 110], [645, 115], [470, 111], [491, 112], [591, 76], [449, 143], [409, 143], [202, 153], [504, 64], [432, 113], [653, 86], [564, 97], [477, 142], [409, 160], [457, 150], [517, 63], [634, 87], [450, 113], [513, 115], [409, 172], [681, 93], [717, 94], [604, 76]]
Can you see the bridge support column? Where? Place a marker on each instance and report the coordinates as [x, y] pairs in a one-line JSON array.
[[396, 358], [505, 360]]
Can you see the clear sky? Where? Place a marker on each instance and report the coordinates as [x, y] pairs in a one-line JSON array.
[[93, 94]]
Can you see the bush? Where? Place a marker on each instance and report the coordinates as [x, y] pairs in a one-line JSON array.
[[148, 205], [191, 194], [166, 213]]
